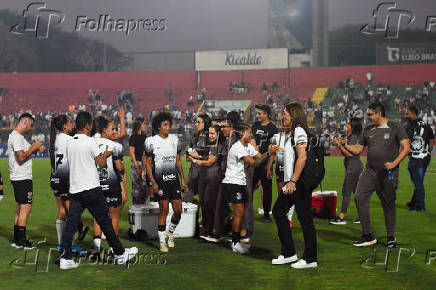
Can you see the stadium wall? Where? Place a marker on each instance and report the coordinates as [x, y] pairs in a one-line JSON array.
[[52, 91]]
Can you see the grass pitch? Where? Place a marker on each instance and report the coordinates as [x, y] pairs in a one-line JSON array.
[[194, 264]]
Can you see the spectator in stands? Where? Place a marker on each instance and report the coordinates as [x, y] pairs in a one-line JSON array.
[[97, 97], [90, 96], [170, 93], [369, 78], [264, 88], [274, 86]]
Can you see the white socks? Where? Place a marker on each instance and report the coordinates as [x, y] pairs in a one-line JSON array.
[[60, 225], [97, 243], [162, 235]]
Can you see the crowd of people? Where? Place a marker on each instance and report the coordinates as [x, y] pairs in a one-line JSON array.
[[229, 160]]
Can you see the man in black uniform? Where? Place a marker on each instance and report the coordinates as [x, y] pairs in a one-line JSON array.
[[263, 130], [421, 138]]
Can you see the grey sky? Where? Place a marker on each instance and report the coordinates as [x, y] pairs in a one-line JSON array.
[[207, 24]]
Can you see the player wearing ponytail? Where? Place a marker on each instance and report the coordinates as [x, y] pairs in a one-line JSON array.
[[60, 128]]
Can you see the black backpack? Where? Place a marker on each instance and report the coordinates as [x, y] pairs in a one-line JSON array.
[[314, 170]]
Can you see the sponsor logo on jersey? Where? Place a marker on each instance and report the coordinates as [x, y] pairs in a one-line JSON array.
[[169, 177], [171, 159]]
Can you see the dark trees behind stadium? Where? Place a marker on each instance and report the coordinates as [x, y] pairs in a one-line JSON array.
[[60, 52]]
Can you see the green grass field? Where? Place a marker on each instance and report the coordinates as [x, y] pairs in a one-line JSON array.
[[194, 264]]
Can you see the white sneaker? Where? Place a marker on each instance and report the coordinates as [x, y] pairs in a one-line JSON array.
[[240, 248], [280, 260], [163, 247], [302, 264], [260, 211], [65, 264], [170, 238], [126, 256]]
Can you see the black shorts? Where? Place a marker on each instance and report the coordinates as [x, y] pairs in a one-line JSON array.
[[280, 176], [23, 190], [63, 194], [168, 191], [112, 198], [235, 193]]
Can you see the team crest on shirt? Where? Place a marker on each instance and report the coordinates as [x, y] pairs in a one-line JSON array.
[[238, 196], [386, 136]]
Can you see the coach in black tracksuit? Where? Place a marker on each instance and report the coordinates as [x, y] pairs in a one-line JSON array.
[[263, 130]]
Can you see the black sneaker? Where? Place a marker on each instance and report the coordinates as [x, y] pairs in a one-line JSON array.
[[356, 221], [410, 204], [82, 233], [337, 221], [392, 242], [365, 241], [417, 208], [266, 219], [24, 244]]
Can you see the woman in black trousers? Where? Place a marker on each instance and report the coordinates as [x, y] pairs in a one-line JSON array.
[[353, 168], [294, 192]]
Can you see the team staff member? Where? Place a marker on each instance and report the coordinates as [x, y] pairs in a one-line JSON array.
[[294, 192], [163, 151], [212, 180], [222, 209], [198, 150], [85, 192], [353, 168], [137, 155], [20, 168], [110, 178], [384, 139], [263, 131], [60, 128], [422, 139]]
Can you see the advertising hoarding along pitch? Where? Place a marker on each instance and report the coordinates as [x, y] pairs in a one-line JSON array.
[[276, 58]]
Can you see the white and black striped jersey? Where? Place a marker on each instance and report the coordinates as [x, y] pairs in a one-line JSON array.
[[110, 177], [280, 139], [164, 152], [60, 174]]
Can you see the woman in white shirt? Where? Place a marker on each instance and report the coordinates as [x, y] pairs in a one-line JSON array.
[[60, 128], [234, 184], [294, 192]]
